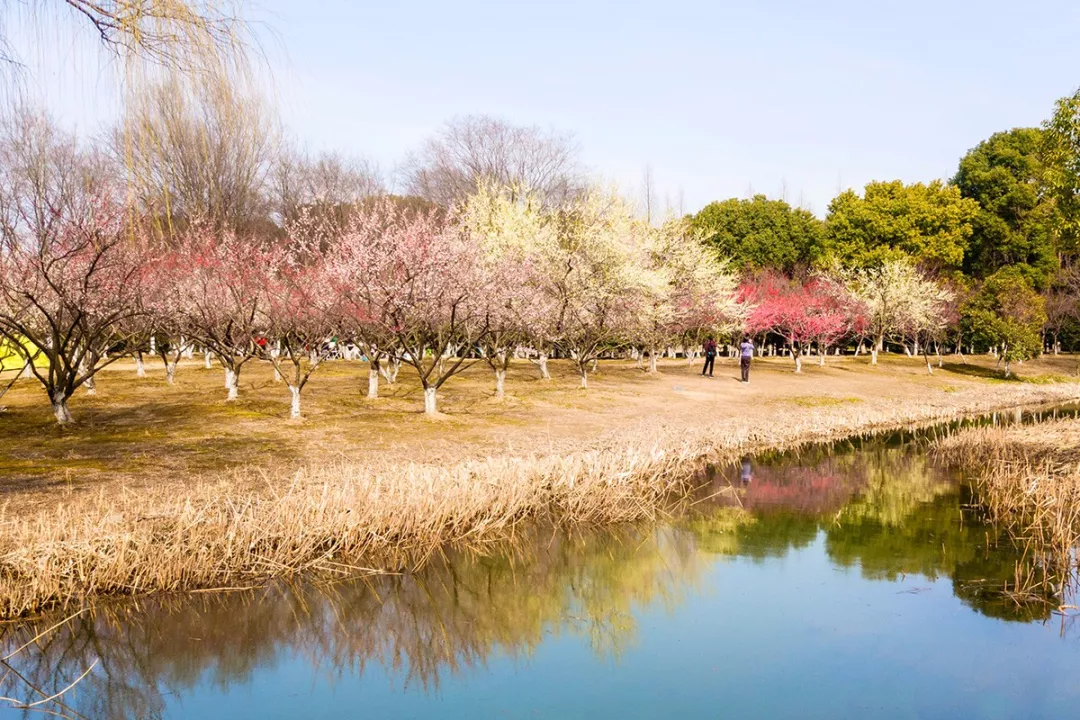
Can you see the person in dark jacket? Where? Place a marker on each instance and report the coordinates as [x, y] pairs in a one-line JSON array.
[[710, 356]]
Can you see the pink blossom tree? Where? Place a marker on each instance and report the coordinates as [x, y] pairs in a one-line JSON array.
[[420, 287], [226, 297], [301, 314], [799, 312], [70, 288]]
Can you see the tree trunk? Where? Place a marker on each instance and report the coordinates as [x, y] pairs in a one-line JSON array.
[[583, 370], [430, 407], [294, 410], [153, 345], [500, 383], [231, 382], [542, 361], [91, 386], [373, 380], [1008, 370], [873, 354], [60, 408], [208, 357], [822, 352], [170, 371], [652, 360], [140, 368]]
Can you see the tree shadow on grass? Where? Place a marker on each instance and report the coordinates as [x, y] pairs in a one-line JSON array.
[[981, 372]]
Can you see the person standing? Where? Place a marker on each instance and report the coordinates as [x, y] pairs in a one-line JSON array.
[[746, 352], [710, 355]]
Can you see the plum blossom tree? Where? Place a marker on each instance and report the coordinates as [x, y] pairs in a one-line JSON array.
[[226, 296], [602, 276], [514, 237], [897, 296], [68, 288], [70, 276], [301, 314], [800, 312], [688, 290], [421, 289], [360, 270]]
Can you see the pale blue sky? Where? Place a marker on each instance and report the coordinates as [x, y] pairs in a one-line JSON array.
[[718, 97]]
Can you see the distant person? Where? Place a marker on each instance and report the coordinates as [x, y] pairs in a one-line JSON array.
[[746, 352], [747, 471], [710, 355]]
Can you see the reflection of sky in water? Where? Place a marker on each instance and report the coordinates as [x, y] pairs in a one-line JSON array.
[[849, 587]]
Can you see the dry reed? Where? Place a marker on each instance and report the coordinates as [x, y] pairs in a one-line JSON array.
[[354, 518], [1028, 478]]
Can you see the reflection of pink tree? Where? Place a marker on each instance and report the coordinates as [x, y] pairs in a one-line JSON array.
[[800, 312]]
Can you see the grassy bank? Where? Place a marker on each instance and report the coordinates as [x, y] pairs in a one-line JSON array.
[[383, 512], [1029, 480]]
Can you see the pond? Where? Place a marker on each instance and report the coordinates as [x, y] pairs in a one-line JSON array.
[[848, 580]]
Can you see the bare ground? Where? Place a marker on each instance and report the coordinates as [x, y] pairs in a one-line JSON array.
[[142, 432]]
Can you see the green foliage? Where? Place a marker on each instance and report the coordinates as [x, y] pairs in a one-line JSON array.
[[761, 233], [1007, 312], [1061, 150], [1016, 224], [931, 223]]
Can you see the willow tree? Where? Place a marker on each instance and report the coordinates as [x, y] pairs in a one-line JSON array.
[[185, 35]]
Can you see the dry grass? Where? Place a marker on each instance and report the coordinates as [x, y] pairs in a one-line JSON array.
[[1029, 480], [353, 516]]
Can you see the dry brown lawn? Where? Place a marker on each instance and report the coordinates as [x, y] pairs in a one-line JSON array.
[[141, 431], [162, 488]]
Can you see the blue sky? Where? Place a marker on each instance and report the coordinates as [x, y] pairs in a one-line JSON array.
[[718, 97]]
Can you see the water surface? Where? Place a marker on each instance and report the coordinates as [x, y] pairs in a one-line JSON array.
[[846, 581]]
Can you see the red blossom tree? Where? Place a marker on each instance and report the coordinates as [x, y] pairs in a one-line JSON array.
[[800, 312]]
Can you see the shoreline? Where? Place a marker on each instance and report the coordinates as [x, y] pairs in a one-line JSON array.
[[345, 517]]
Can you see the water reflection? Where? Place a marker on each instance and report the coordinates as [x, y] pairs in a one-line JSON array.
[[877, 508], [454, 615]]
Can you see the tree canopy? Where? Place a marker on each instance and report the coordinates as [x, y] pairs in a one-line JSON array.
[[760, 233], [929, 222], [1016, 222]]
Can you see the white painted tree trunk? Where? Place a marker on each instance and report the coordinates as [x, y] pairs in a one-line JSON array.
[[170, 371], [373, 382], [140, 368], [500, 383], [584, 377], [231, 383], [798, 361], [542, 361], [430, 405], [821, 357], [60, 408], [294, 410], [652, 360], [208, 358], [153, 345], [873, 355], [91, 386], [1008, 369]]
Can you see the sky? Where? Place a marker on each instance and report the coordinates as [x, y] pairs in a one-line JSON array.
[[720, 99]]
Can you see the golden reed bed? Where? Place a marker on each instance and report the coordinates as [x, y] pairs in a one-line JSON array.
[[355, 518]]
